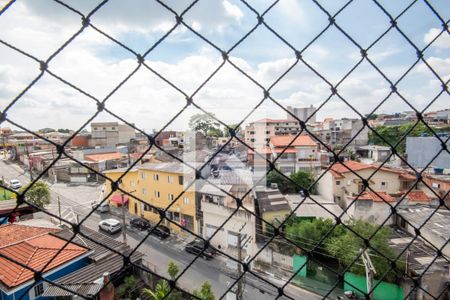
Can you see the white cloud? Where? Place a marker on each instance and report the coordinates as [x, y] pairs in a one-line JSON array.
[[443, 41], [232, 10]]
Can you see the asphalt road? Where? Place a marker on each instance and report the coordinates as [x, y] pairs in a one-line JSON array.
[[157, 253]]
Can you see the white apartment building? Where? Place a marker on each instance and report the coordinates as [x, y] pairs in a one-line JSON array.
[[110, 134], [303, 113], [257, 134]]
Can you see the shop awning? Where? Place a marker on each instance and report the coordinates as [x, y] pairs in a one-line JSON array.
[[117, 199]]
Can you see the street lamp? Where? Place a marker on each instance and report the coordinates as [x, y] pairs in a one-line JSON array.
[[124, 229]]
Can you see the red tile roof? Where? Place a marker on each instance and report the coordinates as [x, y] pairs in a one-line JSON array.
[[353, 165], [378, 197], [13, 233], [103, 156], [418, 196], [284, 140], [35, 253]]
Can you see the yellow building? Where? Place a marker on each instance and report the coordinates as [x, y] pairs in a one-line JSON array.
[[158, 185]]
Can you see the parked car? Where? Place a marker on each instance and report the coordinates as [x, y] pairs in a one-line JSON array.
[[161, 231], [104, 207], [196, 246], [15, 184], [140, 223], [110, 225]]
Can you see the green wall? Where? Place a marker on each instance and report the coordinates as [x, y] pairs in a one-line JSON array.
[[383, 291]]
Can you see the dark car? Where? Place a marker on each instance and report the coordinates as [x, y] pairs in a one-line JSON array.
[[197, 246], [160, 231], [140, 223]]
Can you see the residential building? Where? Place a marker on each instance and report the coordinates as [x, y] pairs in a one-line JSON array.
[[338, 132], [374, 153], [421, 264], [271, 207], [440, 184], [421, 152], [81, 141], [89, 280], [170, 139], [110, 134], [258, 133], [157, 185], [218, 203], [24, 247], [315, 206], [344, 182], [295, 153], [433, 225], [302, 113]]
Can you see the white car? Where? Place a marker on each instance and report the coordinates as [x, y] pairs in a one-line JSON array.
[[15, 184], [110, 225]]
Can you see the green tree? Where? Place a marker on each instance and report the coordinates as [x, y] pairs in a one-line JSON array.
[[308, 233], [62, 130], [282, 182], [173, 270], [303, 180], [205, 292], [392, 134], [226, 132], [203, 123], [162, 288], [38, 194], [215, 132], [162, 291], [347, 246], [128, 288]]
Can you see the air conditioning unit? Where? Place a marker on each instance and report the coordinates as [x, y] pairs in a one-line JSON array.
[[273, 185]]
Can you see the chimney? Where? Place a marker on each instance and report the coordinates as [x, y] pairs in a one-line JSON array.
[[108, 291]]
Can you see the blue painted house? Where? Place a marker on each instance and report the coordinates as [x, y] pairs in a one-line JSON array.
[[25, 247]]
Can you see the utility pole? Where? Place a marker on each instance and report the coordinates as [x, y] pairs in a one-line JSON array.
[[370, 272], [124, 229], [59, 210], [240, 284], [29, 161]]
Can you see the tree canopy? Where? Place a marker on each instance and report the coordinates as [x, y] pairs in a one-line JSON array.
[[205, 292], [204, 123], [301, 179], [38, 194], [392, 134], [343, 244]]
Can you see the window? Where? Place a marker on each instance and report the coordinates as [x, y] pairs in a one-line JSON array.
[[176, 217], [104, 128], [383, 185], [95, 128], [338, 182], [170, 179], [156, 194], [144, 191], [132, 183], [38, 289], [252, 140], [186, 200], [170, 197], [180, 180], [267, 132], [147, 207], [142, 175], [156, 177], [113, 128]]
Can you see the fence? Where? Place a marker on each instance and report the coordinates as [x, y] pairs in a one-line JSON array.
[[330, 90]]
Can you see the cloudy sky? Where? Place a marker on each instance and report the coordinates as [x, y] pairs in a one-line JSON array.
[[97, 65]]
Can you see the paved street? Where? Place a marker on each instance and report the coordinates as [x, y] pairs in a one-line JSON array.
[[158, 253]]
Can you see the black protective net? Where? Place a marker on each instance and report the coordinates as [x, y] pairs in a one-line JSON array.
[[330, 87]]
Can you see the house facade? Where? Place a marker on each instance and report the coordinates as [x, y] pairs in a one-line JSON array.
[[343, 185], [158, 185], [294, 154], [26, 248]]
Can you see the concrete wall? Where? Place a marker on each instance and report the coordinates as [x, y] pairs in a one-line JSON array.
[[421, 150]]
